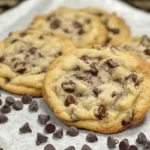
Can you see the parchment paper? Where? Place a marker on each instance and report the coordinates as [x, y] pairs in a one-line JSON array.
[[19, 18]]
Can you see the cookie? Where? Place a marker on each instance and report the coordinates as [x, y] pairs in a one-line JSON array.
[[118, 31], [25, 57], [83, 29], [139, 45], [98, 89]]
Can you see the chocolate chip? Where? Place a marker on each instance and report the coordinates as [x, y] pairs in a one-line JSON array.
[[134, 78], [93, 70], [96, 92], [98, 14], [2, 58], [58, 133], [22, 34], [9, 100], [101, 112], [111, 63], [146, 144], [126, 123], [111, 142], [88, 21], [55, 24], [124, 144], [145, 41], [5, 109], [50, 128], [49, 147], [26, 99], [21, 71], [114, 31], [91, 137], [72, 131], [49, 17], [77, 24], [85, 58], [132, 147], [70, 100], [68, 86], [41, 139], [15, 40], [147, 52], [86, 147], [66, 30], [17, 105], [108, 40], [33, 106], [3, 118], [32, 50], [0, 102], [141, 137], [25, 128], [43, 119], [70, 148], [81, 31]]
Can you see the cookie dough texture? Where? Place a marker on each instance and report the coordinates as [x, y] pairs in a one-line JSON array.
[[138, 45], [98, 89], [118, 30], [83, 29], [25, 57]]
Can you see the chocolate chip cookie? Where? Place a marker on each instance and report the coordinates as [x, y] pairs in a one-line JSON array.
[[83, 29], [25, 57], [98, 89], [139, 46], [118, 31]]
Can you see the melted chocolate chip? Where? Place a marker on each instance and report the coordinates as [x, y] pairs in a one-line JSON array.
[[70, 148], [50, 128], [13, 41], [66, 30], [132, 147], [147, 52], [85, 58], [72, 131], [126, 123], [114, 31], [58, 133], [101, 112], [86, 147], [32, 50], [81, 31], [17, 105], [43, 119], [41, 139], [93, 70], [91, 137], [5, 109], [21, 71], [23, 34], [26, 99], [9, 100], [3, 118], [108, 40], [70, 100], [68, 86], [124, 144], [25, 128], [2, 58], [88, 20], [96, 92], [98, 14], [33, 106], [134, 78], [111, 142], [141, 137], [55, 24], [77, 24], [49, 147], [111, 63]]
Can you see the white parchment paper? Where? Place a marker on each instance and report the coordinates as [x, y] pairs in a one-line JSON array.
[[19, 18]]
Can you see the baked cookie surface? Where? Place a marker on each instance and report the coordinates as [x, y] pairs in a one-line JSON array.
[[83, 29], [98, 89], [118, 31], [25, 57], [139, 46]]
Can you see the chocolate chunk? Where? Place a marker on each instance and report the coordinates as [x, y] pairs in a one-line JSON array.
[[50, 128], [26, 99], [134, 78], [126, 123], [111, 63], [85, 58], [5, 109], [33, 106], [43, 119], [96, 92], [3, 118], [141, 137], [101, 112], [132, 147], [86, 147], [58, 133], [41, 139], [17, 105], [68, 86], [21, 71], [81, 31], [93, 70], [108, 40], [124, 144], [77, 24], [70, 100], [25, 128], [147, 52], [91, 137], [72, 131], [49, 147], [111, 142], [23, 34], [55, 24], [114, 31], [9, 100], [0, 102], [70, 148], [2, 58], [32, 50], [145, 41]]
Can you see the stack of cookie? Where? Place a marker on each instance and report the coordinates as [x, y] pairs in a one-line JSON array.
[[62, 57]]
